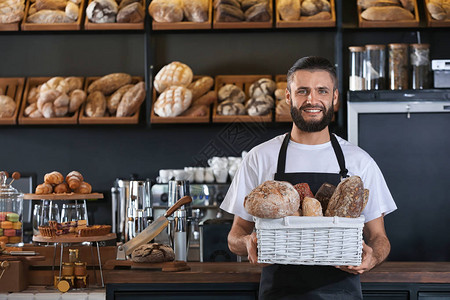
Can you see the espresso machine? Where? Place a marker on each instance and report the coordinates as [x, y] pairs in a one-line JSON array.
[[131, 207]]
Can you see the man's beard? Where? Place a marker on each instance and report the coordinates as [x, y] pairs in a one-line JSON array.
[[311, 126]]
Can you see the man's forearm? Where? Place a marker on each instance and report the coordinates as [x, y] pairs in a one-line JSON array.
[[238, 243], [381, 248]]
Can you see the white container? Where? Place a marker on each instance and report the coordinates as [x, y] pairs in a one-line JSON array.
[[330, 241]]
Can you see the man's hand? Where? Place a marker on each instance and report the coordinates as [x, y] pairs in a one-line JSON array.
[[252, 248], [367, 263], [242, 239]]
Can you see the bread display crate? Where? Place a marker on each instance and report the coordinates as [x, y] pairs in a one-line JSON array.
[[279, 117], [34, 82], [114, 26], [134, 119], [12, 87], [302, 22], [328, 241], [390, 24], [433, 22], [26, 26], [185, 25], [155, 119], [10, 26], [244, 82], [244, 24]]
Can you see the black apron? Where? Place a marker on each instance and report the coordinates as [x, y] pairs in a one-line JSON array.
[[303, 281]]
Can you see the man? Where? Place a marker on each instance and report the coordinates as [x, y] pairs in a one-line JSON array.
[[309, 153]]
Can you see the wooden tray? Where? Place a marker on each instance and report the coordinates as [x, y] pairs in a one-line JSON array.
[[71, 238], [53, 26], [10, 26], [82, 119], [389, 24], [281, 118], [12, 87], [244, 82], [168, 266], [244, 24], [114, 26], [306, 23], [66, 196], [155, 119], [432, 22], [35, 81], [184, 25]]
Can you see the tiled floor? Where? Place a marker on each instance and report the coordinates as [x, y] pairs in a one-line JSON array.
[[42, 293]]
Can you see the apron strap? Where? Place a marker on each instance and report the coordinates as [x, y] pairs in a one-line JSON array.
[[339, 155], [336, 147]]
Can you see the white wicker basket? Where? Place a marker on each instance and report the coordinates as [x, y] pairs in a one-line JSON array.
[[331, 241]]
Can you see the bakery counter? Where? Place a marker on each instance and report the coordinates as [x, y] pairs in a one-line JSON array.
[[401, 280]]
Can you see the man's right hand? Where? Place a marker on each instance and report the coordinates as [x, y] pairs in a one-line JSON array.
[[252, 248], [242, 239]]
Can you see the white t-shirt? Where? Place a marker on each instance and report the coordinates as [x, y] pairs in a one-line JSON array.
[[260, 164]]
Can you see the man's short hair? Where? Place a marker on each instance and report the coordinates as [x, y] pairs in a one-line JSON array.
[[312, 63]]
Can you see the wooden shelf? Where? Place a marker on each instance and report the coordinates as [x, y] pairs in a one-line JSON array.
[[389, 24], [71, 196], [185, 25], [305, 23], [432, 22], [114, 26], [12, 87]]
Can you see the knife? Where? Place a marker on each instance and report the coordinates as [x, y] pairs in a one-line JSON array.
[[151, 231]]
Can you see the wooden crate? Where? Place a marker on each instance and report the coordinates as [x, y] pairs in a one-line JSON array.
[[245, 24], [155, 119], [114, 26], [304, 22], [281, 118], [35, 81], [134, 119], [390, 24], [244, 82], [12, 87], [432, 22], [185, 25], [53, 26]]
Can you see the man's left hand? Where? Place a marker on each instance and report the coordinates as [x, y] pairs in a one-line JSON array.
[[367, 263]]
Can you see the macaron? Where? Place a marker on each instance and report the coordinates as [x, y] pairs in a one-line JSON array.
[[13, 217], [9, 232], [4, 239], [6, 225], [14, 239], [2, 216], [17, 225]]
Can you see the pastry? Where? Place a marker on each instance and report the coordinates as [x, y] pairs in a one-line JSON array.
[[272, 199], [33, 94], [77, 97], [232, 93], [263, 86], [9, 232], [196, 10], [132, 13], [113, 101], [109, 83], [348, 199], [95, 105], [44, 188], [13, 217], [83, 188], [175, 73], [102, 11], [131, 100], [14, 239], [53, 178], [166, 10], [152, 253], [47, 96], [61, 188], [94, 230], [172, 102], [201, 86], [17, 225], [48, 110], [230, 108], [61, 100], [7, 106], [6, 225], [3, 216]]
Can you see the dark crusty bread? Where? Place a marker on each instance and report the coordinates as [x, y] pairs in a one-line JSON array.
[[152, 253], [324, 194], [229, 13], [272, 199]]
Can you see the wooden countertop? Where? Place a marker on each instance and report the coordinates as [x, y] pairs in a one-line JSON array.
[[414, 272]]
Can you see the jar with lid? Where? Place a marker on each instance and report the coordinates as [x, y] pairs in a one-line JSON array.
[[420, 66], [11, 207], [398, 66], [73, 255], [374, 67], [356, 79], [67, 269], [80, 269]]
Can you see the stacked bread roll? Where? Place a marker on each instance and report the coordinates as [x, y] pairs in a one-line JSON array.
[[292, 10], [179, 10], [233, 101], [114, 95], [7, 106], [111, 11], [54, 182], [282, 108], [439, 9], [387, 10], [179, 94], [277, 199], [53, 11], [11, 11], [243, 10], [57, 97]]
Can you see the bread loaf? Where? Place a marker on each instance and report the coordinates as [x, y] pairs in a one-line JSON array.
[[258, 13], [71, 11], [201, 86], [235, 3], [172, 102], [77, 97], [200, 110], [109, 83], [124, 3], [259, 106], [324, 194], [348, 199], [311, 7], [439, 9], [283, 108], [231, 92], [131, 100], [289, 10], [30, 109], [263, 86], [7, 106], [175, 73], [48, 110], [113, 101], [207, 99], [132, 13], [152, 253], [33, 95], [303, 190], [95, 105], [166, 10], [51, 4], [48, 96], [323, 15], [44, 188], [54, 178], [387, 13], [229, 13], [47, 16], [311, 207], [196, 10], [365, 4], [408, 4], [230, 108], [272, 199], [102, 11]]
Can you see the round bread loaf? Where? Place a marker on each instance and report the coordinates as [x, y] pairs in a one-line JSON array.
[[230, 108], [272, 199], [152, 253], [175, 73], [260, 105], [231, 92], [263, 86]]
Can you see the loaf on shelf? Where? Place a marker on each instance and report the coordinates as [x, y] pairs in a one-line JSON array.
[[11, 13], [10, 93], [242, 14], [438, 13], [306, 13], [113, 98], [181, 97], [110, 11], [380, 13]]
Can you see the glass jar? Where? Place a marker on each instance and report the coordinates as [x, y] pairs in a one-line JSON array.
[[80, 269], [67, 269], [420, 66], [374, 64], [398, 66], [73, 255], [356, 79], [11, 208]]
